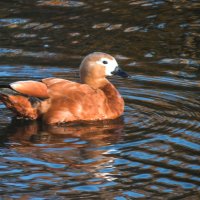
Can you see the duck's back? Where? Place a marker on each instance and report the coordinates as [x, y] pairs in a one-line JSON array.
[[71, 101]]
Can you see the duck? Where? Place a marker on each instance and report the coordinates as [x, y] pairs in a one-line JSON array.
[[56, 100]]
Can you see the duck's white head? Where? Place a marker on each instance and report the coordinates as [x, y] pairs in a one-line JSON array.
[[96, 66]]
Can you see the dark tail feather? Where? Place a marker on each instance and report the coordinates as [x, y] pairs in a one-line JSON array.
[[5, 86], [5, 90], [22, 106]]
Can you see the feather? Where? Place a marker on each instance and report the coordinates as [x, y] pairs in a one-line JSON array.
[[31, 88]]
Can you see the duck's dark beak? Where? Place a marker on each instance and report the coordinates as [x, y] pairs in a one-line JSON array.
[[118, 71]]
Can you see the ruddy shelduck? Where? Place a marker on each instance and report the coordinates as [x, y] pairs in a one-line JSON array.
[[57, 100]]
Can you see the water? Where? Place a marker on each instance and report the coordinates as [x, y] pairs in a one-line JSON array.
[[153, 151]]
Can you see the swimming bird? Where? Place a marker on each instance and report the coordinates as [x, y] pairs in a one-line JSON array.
[[57, 100]]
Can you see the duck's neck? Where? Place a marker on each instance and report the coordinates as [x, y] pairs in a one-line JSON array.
[[95, 83]]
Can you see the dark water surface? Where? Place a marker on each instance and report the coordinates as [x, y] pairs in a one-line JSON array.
[[153, 152]]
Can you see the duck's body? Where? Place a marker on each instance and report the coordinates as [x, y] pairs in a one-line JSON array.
[[58, 100]]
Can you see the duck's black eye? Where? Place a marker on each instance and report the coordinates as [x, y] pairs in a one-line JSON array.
[[105, 62]]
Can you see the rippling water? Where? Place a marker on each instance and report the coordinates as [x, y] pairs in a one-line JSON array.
[[153, 151]]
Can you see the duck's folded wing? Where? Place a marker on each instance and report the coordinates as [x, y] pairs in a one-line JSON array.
[[58, 87], [51, 81], [31, 88]]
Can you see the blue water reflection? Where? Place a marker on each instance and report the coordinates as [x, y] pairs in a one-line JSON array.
[[152, 152]]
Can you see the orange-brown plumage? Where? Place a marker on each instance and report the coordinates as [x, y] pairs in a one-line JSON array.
[[30, 88], [58, 100]]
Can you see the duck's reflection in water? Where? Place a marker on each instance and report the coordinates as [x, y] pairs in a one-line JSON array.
[[82, 146]]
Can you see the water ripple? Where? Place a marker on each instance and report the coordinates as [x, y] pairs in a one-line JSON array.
[[152, 152], [12, 22], [63, 3]]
